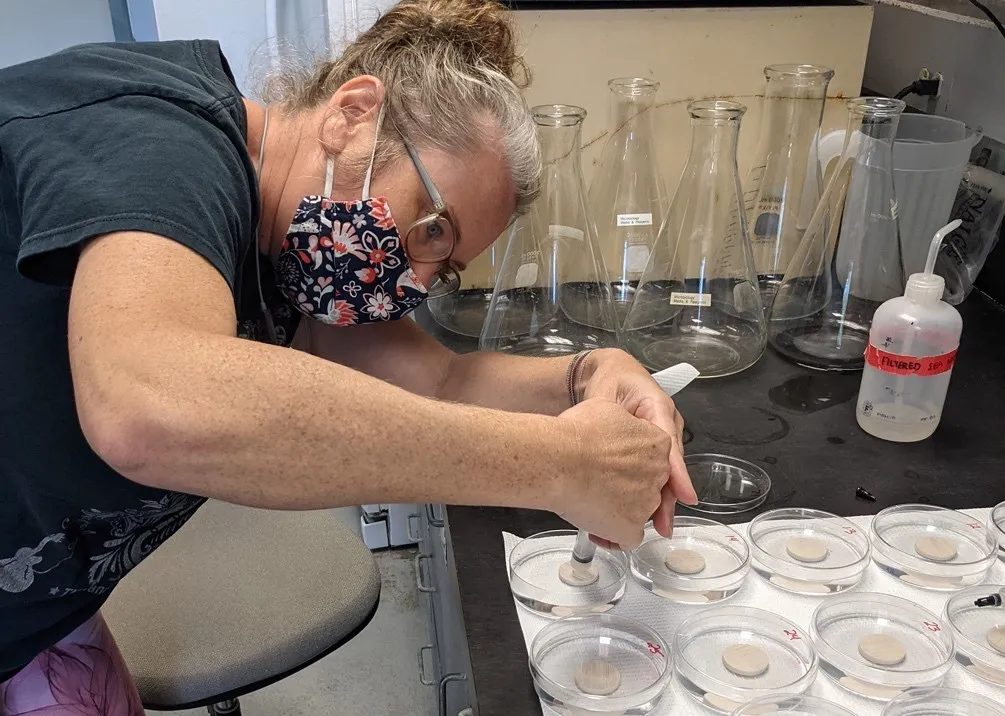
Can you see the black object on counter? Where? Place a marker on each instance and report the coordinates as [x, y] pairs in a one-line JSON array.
[[864, 494]]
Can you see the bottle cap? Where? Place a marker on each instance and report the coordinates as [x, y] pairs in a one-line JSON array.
[[925, 288]]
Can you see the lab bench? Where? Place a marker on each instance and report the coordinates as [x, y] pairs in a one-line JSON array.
[[799, 425]]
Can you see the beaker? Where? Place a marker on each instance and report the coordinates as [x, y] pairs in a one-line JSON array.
[[697, 301], [628, 195], [552, 294], [784, 183], [849, 260]]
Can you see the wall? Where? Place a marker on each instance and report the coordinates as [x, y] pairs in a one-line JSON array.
[[968, 52], [694, 53], [35, 28]]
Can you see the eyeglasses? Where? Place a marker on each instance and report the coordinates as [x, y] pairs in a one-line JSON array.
[[431, 239]]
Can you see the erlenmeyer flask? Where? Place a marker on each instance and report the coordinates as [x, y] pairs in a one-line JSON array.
[[628, 195], [552, 294], [697, 301], [783, 186], [849, 260], [463, 312]]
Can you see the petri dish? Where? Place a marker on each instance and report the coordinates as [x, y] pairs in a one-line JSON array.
[[996, 524], [972, 626], [942, 702], [704, 561], [536, 586], [842, 629], [795, 705], [932, 547], [638, 654], [726, 485], [701, 653], [808, 551]]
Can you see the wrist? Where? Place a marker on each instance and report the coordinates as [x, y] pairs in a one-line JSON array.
[[597, 368]]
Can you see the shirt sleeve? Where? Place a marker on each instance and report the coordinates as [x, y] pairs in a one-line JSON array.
[[131, 163]]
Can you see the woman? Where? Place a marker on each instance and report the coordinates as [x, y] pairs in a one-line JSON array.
[[153, 221]]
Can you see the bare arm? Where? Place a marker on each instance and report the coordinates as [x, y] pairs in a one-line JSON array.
[[402, 353], [169, 397]]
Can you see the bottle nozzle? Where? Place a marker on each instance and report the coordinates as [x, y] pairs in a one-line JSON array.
[[933, 250]]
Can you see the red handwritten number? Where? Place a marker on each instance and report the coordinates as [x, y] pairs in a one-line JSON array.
[[975, 525], [731, 538], [851, 531], [654, 649], [792, 634], [932, 626]]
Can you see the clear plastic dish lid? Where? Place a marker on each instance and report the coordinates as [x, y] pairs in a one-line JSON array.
[[727, 656], [793, 705], [996, 524], [702, 562], [942, 702], [932, 547], [979, 632], [726, 485], [600, 664], [535, 576], [878, 646], [808, 551]]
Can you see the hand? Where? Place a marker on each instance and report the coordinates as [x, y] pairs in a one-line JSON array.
[[614, 375], [622, 470]]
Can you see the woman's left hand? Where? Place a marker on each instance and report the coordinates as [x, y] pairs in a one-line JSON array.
[[614, 375]]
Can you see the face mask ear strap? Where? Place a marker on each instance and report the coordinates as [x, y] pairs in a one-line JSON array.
[[329, 177], [373, 154]]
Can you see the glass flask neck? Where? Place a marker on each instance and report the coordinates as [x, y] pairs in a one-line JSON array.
[[715, 128], [875, 117], [559, 129], [632, 102], [797, 81]]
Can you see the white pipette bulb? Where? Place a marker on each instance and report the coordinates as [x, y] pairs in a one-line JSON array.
[[927, 287]]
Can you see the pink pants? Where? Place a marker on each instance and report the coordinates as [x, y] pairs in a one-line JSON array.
[[81, 675]]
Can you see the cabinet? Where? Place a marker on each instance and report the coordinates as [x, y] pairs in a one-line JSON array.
[[444, 662]]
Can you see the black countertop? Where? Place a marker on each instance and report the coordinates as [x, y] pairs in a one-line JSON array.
[[800, 427]]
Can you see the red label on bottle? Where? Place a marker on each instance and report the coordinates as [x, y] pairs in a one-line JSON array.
[[895, 364]]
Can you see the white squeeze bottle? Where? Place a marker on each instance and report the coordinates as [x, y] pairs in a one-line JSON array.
[[912, 348]]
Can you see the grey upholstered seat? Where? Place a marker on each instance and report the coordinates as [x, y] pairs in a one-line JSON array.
[[240, 598]]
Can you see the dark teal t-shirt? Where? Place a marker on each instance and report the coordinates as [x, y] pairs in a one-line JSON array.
[[97, 139]]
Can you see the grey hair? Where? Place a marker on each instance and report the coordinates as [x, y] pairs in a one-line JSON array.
[[452, 80]]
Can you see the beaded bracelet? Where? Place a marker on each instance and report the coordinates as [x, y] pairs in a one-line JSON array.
[[572, 374]]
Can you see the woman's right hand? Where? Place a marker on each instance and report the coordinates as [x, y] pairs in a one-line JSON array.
[[623, 466]]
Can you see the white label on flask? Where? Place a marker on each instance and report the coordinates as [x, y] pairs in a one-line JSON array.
[[526, 275], [635, 219], [893, 209], [690, 299], [636, 258], [566, 232]]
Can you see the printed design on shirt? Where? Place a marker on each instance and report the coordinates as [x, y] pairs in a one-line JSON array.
[[253, 329], [17, 573], [126, 536]]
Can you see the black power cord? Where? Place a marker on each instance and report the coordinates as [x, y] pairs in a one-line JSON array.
[[922, 88], [991, 16]]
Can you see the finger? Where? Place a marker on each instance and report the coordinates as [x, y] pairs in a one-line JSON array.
[[662, 414], [680, 480], [633, 541], [663, 517], [601, 542]]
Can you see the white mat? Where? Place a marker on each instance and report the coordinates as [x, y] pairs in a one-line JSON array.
[[665, 616]]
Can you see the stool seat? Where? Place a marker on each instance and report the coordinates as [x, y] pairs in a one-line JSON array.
[[238, 599]]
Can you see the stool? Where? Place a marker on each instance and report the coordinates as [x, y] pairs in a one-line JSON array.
[[238, 599]]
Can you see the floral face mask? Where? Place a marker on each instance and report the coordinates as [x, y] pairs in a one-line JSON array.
[[344, 262]]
